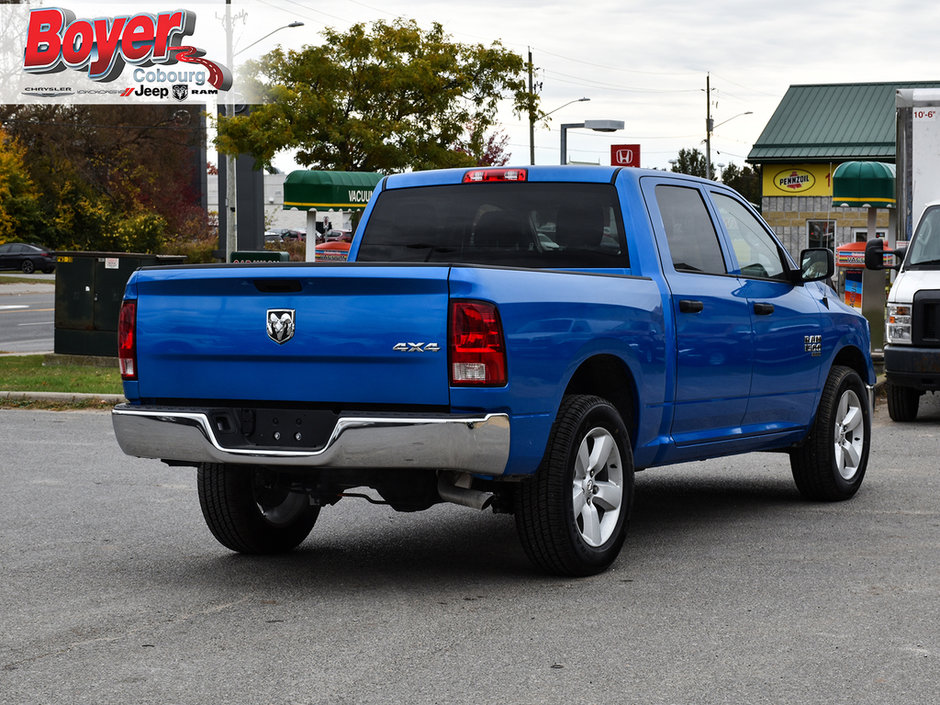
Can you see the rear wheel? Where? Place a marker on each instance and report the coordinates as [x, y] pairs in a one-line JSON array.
[[902, 402], [831, 462], [28, 266], [248, 514], [572, 516]]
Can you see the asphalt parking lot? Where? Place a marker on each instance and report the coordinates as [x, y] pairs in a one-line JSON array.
[[730, 590]]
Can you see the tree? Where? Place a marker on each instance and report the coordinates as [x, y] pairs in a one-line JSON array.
[[112, 177], [385, 98], [20, 213], [745, 181], [691, 162], [485, 151]]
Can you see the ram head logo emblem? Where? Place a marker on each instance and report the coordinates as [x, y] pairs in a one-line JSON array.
[[280, 324]]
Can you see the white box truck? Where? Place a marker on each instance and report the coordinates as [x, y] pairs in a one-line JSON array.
[[912, 321]]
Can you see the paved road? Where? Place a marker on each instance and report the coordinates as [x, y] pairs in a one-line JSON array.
[[730, 590], [27, 314]]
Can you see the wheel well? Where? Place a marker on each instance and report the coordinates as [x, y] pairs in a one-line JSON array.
[[608, 377], [852, 357]]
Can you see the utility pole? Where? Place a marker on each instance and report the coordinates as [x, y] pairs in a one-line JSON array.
[[230, 227], [531, 115], [709, 126]]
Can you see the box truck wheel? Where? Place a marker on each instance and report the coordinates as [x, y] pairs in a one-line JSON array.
[[830, 464], [572, 515], [247, 513], [902, 402]]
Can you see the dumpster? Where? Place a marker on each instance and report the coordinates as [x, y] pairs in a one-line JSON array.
[[89, 287]]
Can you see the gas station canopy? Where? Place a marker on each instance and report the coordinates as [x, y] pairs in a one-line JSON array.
[[329, 190], [863, 185]]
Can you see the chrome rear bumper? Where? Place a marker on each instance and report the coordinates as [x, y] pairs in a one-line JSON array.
[[476, 444]]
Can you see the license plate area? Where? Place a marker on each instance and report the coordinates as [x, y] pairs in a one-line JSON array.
[[295, 429]]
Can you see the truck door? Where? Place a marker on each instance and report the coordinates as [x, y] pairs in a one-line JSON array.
[[713, 322], [786, 321]]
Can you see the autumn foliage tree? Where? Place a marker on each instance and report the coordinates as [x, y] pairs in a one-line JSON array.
[[386, 97], [110, 177], [20, 216]]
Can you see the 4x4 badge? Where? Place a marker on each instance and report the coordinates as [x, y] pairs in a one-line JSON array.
[[280, 324]]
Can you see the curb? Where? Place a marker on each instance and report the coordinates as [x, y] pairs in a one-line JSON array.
[[62, 397]]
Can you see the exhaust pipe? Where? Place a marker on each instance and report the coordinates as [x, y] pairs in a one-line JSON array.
[[450, 491]]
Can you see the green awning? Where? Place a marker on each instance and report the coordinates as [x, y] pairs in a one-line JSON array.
[[863, 184], [329, 190]]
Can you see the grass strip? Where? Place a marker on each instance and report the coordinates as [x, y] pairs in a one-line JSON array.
[[75, 405], [25, 280], [27, 373]]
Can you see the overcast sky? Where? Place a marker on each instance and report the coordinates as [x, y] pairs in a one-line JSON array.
[[646, 62]]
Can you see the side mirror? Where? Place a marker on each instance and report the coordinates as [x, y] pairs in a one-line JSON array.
[[816, 264], [875, 255]]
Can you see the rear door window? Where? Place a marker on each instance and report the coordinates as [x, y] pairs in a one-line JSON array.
[[539, 225]]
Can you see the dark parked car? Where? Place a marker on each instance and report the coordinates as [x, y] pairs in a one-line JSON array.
[[279, 235], [29, 258]]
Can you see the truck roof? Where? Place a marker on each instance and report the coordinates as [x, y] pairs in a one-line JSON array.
[[569, 173]]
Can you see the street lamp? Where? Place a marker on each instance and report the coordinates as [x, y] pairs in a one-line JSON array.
[[532, 125], [295, 23], [228, 207], [596, 125], [709, 128]]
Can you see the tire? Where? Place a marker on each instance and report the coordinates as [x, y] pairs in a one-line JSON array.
[[28, 266], [830, 464], [247, 516], [572, 516], [902, 402]]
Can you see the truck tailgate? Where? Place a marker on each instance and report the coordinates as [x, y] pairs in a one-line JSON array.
[[360, 333]]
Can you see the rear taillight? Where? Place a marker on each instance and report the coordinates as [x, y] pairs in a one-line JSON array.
[[127, 340], [477, 352]]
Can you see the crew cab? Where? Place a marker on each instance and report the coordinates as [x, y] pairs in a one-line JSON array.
[[520, 339]]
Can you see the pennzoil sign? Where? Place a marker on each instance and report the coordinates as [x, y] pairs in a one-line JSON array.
[[794, 181]]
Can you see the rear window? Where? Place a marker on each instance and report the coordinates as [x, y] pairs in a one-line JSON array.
[[539, 225]]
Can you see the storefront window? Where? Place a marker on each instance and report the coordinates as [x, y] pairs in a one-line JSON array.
[[861, 235], [821, 233]]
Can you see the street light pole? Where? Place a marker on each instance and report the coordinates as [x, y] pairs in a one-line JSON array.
[[231, 230], [596, 125], [532, 119], [295, 23], [710, 126]]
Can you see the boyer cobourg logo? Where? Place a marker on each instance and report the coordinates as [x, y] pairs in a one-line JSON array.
[[102, 47]]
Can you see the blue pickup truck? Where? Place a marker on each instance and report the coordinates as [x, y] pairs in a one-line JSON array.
[[523, 340]]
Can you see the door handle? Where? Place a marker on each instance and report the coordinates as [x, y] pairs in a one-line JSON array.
[[762, 309], [689, 306]]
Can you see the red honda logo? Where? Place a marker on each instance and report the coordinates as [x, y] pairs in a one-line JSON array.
[[625, 155]]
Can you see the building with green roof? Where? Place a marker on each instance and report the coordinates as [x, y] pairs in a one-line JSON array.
[[814, 129]]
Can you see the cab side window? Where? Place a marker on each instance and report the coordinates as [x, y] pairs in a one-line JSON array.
[[757, 253], [693, 241]]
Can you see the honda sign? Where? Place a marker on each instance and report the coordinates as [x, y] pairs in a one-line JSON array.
[[625, 155]]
